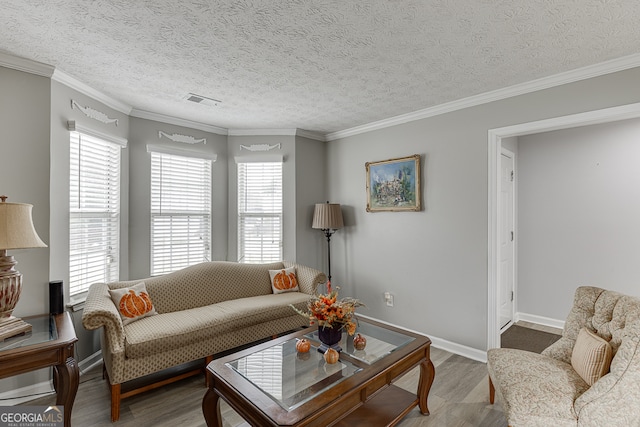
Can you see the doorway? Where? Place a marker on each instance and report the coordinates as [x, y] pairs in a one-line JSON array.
[[494, 161]]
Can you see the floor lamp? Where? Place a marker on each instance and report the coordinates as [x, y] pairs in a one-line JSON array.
[[16, 232], [328, 218]]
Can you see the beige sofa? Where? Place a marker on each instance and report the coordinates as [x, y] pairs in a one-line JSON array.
[[202, 310], [540, 390]]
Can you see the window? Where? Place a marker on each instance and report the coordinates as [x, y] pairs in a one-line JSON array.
[[259, 212], [180, 211], [94, 211]]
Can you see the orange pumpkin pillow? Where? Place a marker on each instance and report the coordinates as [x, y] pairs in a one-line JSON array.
[[132, 303], [284, 280]]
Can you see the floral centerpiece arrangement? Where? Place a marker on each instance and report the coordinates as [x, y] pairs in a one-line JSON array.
[[330, 312]]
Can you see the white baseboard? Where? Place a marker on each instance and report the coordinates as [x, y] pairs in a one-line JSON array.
[[442, 344], [34, 391], [27, 393], [90, 362], [540, 320]]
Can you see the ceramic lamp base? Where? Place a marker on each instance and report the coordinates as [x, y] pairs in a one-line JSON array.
[[13, 326]]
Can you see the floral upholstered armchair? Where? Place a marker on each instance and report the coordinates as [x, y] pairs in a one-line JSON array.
[[590, 377]]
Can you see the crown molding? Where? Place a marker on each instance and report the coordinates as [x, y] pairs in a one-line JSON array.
[[262, 132], [170, 120], [277, 132], [26, 65], [73, 83], [311, 135], [607, 67]]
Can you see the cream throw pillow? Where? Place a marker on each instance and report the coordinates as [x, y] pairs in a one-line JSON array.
[[284, 280], [591, 356], [132, 303]]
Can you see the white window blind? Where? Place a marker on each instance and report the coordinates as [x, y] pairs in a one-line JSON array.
[[94, 211], [259, 212], [180, 211]]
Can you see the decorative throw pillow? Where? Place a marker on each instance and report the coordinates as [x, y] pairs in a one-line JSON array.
[[132, 303], [591, 356], [284, 280]]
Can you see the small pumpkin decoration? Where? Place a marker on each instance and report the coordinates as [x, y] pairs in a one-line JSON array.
[[303, 346], [134, 305], [359, 342], [283, 281], [331, 356]]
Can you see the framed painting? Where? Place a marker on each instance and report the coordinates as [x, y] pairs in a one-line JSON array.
[[394, 184]]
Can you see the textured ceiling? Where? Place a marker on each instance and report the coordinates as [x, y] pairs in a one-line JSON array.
[[318, 65]]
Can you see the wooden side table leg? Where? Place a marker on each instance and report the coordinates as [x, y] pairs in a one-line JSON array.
[[427, 374], [67, 379], [211, 409]]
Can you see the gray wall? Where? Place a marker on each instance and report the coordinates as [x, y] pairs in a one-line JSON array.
[[25, 105], [310, 188], [578, 210], [435, 261]]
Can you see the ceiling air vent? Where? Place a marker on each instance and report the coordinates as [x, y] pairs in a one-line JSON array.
[[204, 100]]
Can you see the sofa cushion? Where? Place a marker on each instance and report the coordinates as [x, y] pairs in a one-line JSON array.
[[133, 303], [534, 386], [168, 331], [284, 280], [591, 356]]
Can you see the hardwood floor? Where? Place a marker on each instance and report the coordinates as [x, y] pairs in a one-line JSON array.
[[459, 397]]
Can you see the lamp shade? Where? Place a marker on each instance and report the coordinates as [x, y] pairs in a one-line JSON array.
[[16, 227], [327, 216]]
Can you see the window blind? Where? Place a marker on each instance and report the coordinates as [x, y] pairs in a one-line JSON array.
[[180, 211], [94, 211], [259, 212]]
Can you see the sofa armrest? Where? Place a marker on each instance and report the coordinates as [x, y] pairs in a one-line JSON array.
[[308, 278], [100, 311]]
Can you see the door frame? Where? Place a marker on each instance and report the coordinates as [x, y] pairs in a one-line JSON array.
[[495, 136], [514, 213]]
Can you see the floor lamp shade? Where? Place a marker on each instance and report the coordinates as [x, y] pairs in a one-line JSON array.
[[328, 218], [16, 232]]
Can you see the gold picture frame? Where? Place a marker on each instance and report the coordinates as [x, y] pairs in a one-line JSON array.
[[394, 185]]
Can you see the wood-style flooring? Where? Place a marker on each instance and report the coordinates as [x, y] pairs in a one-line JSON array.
[[459, 397]]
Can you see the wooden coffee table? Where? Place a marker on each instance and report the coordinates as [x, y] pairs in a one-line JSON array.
[[270, 384]]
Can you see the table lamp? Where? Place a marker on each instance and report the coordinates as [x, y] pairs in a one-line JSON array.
[[16, 232], [328, 218]]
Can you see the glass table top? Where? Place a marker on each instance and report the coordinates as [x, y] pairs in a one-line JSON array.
[[292, 379], [380, 342], [43, 330]]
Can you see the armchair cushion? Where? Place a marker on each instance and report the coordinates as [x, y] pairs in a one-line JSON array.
[[527, 382], [591, 356]]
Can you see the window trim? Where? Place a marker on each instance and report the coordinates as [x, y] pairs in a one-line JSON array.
[[78, 292], [273, 158], [189, 154]]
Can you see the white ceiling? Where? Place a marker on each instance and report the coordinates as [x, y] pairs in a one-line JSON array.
[[318, 65]]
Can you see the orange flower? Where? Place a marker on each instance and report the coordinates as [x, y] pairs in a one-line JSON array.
[[328, 311]]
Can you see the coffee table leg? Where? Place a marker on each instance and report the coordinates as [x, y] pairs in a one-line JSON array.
[[427, 374], [211, 409]]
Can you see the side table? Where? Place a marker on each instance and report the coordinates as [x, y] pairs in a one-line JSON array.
[[50, 343]]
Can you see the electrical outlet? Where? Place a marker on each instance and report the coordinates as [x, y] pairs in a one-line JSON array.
[[388, 298]]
